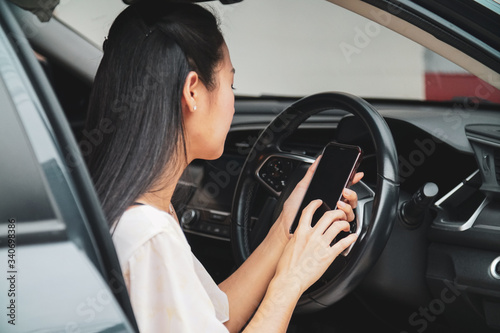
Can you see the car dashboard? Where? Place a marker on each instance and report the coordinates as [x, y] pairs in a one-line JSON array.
[[432, 146], [455, 146]]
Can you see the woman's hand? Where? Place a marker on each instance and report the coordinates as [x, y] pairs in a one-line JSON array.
[[308, 253], [292, 204], [291, 263], [305, 258]]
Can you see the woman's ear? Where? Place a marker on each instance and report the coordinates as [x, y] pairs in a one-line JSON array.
[[191, 92]]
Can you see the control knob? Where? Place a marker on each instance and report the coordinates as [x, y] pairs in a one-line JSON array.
[[189, 217]]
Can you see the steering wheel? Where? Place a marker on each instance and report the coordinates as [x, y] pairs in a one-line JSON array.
[[375, 213]]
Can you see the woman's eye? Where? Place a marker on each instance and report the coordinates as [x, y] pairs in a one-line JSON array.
[[232, 87]]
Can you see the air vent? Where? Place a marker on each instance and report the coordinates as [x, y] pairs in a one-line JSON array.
[[308, 141], [240, 142], [497, 164]]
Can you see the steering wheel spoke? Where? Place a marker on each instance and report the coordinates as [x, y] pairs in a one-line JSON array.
[[363, 211], [276, 169]]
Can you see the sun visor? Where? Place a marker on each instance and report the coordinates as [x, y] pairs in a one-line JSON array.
[[225, 2], [42, 9]]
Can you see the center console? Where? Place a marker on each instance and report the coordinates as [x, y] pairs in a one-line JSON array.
[[204, 196]]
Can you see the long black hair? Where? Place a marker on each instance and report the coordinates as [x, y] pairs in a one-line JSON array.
[[135, 103]]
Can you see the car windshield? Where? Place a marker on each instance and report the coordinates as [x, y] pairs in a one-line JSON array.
[[493, 5], [296, 48]]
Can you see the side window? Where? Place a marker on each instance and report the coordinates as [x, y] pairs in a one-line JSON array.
[[24, 196], [445, 81]]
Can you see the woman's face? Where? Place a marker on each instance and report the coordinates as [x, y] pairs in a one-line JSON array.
[[214, 113]]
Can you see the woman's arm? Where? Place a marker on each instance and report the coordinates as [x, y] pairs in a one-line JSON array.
[[305, 258], [275, 311], [248, 284], [246, 287]]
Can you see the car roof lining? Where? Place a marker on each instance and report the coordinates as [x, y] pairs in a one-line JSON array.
[[44, 10], [423, 38]]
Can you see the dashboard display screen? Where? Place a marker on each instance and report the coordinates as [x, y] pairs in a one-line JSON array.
[[216, 181]]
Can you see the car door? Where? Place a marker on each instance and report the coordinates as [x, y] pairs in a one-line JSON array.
[[60, 269]]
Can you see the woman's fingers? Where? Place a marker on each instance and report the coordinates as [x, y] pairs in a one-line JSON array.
[[307, 214], [304, 182], [350, 197], [328, 218], [343, 244], [311, 246], [330, 225], [357, 177], [292, 204], [347, 209], [335, 229]]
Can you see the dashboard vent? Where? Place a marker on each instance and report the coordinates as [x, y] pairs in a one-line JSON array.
[[240, 142], [497, 164]]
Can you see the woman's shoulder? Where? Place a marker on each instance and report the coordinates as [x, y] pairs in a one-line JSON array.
[[139, 225]]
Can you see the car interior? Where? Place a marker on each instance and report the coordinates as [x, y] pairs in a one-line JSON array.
[[428, 256]]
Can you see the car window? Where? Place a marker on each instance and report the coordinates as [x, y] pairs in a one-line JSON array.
[[295, 48], [44, 226]]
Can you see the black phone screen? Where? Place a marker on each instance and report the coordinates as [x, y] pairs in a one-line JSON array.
[[334, 172]]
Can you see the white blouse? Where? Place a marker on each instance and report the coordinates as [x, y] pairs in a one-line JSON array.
[[169, 288]]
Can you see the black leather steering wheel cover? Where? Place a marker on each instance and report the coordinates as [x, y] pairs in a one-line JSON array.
[[373, 238]]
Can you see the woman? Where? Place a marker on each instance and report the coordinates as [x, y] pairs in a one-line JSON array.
[[164, 87]]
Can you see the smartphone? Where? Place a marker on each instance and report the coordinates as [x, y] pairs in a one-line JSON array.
[[335, 171]]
